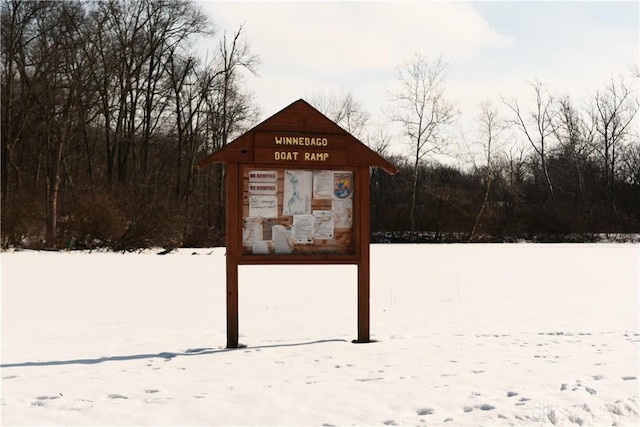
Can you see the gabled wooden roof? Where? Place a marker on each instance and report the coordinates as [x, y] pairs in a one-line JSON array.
[[299, 119]]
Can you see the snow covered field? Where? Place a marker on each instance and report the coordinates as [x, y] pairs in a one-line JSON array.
[[506, 334]]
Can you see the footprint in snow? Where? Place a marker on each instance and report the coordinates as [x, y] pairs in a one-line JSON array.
[[117, 396], [425, 411], [39, 400], [47, 397], [486, 407]]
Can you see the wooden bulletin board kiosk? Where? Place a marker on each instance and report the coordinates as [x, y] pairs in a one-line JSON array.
[[297, 190]]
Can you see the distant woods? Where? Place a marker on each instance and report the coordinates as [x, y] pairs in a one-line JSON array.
[[107, 106], [105, 109]]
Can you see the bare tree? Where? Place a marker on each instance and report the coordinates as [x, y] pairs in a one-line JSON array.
[[490, 129], [167, 26], [510, 166], [17, 28], [59, 78], [345, 110], [229, 108], [191, 86], [613, 112], [423, 111], [234, 56], [537, 126], [631, 164], [575, 137], [135, 39]]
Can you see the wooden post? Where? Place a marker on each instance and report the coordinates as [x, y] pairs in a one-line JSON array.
[[232, 244], [363, 191], [232, 305]]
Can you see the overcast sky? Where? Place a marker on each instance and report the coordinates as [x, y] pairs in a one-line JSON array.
[[493, 48]]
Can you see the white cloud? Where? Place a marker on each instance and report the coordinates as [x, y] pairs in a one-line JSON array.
[[339, 37], [312, 47], [494, 48]]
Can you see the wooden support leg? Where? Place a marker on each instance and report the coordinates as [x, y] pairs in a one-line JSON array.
[[362, 180], [233, 247], [363, 304], [232, 305]]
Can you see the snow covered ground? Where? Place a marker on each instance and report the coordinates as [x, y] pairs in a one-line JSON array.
[[506, 334]]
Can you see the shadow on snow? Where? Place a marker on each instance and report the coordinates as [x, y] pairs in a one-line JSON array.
[[162, 355]]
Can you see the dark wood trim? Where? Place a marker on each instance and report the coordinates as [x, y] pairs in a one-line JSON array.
[[233, 245], [364, 204]]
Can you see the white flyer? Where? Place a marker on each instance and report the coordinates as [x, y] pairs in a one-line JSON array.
[[251, 231], [322, 184], [263, 206], [263, 176], [303, 229], [261, 247], [282, 241], [323, 225], [270, 188], [297, 192], [342, 212]]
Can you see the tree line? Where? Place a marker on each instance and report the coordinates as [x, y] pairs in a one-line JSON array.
[[549, 168], [106, 108]]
